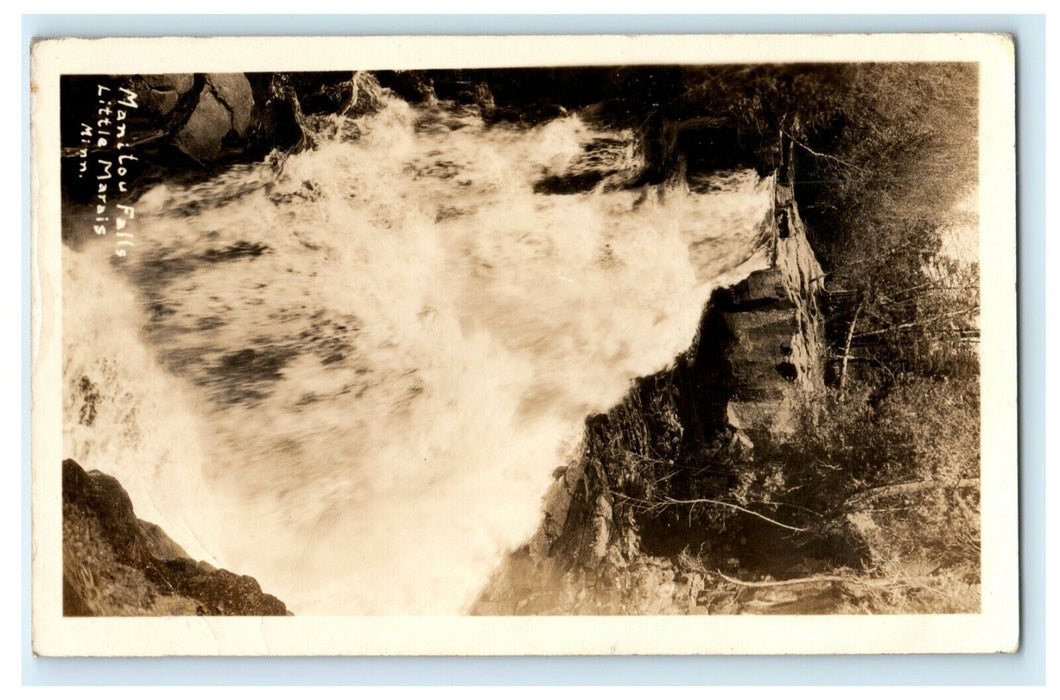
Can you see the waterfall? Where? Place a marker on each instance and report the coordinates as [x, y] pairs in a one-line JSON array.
[[351, 374]]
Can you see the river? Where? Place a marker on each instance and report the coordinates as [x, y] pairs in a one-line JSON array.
[[351, 372]]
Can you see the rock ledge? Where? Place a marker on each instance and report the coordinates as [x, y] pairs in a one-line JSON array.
[[115, 564]]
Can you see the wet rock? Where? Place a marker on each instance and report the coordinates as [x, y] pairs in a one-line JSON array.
[[279, 119], [117, 564], [159, 543], [239, 249], [178, 83], [202, 135], [324, 92], [233, 91], [160, 94], [568, 183], [366, 95], [410, 85]]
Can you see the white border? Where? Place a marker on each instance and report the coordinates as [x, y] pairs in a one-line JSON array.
[[995, 629]]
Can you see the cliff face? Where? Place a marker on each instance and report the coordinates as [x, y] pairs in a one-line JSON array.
[[620, 532], [116, 564], [761, 343]]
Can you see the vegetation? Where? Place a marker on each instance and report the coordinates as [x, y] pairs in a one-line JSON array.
[[882, 155], [872, 502], [888, 457]]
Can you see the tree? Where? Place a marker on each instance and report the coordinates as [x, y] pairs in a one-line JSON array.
[[883, 154]]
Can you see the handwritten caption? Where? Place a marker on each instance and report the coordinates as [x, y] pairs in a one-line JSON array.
[[100, 157]]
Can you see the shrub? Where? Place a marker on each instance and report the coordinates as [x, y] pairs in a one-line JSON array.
[[895, 473]]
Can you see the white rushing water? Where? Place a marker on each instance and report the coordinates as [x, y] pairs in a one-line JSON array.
[[353, 376]]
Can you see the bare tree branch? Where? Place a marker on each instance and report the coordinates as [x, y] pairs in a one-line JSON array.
[[665, 502], [846, 350], [913, 324]]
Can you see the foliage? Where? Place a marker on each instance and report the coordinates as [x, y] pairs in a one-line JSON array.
[[877, 488], [896, 473], [882, 148], [881, 155]]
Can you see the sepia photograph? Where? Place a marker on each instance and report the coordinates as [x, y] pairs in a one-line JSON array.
[[613, 337]]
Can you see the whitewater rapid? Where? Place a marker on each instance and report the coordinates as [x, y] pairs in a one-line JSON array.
[[351, 375]]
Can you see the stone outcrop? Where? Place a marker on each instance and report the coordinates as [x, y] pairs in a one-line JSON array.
[[222, 113], [200, 137], [162, 93], [607, 543], [184, 121], [766, 335], [234, 92], [116, 564]]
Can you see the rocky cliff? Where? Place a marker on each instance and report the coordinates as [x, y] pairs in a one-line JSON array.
[[653, 505], [116, 564]]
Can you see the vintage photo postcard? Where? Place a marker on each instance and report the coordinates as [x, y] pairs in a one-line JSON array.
[[524, 345]]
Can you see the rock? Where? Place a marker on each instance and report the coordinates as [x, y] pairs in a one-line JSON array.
[[162, 103], [159, 544], [279, 119], [602, 516], [102, 496], [233, 91], [117, 564], [323, 92], [211, 118], [160, 94], [221, 592], [366, 95], [410, 85], [202, 134], [73, 604], [178, 83], [763, 288]]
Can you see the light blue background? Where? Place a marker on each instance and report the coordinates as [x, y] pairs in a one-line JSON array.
[[1027, 667]]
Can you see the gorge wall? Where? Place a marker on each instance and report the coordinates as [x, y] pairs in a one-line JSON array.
[[635, 525]]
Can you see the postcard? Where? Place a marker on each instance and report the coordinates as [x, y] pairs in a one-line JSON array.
[[523, 345]]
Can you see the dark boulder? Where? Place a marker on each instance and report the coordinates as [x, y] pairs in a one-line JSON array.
[[202, 135], [233, 91], [162, 93], [178, 83], [278, 119], [322, 92], [410, 85]]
